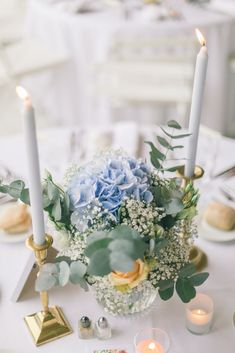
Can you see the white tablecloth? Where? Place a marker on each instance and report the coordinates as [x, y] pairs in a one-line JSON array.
[[87, 38], [166, 315]]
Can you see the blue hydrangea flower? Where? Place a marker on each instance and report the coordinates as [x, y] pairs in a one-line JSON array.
[[107, 186]]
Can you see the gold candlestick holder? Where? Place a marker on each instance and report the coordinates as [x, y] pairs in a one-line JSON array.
[[49, 323], [196, 256]]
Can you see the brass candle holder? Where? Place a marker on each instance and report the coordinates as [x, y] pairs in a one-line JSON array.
[[196, 256], [49, 323]]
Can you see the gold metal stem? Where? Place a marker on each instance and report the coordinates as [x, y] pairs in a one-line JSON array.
[[196, 256], [50, 323], [45, 301]]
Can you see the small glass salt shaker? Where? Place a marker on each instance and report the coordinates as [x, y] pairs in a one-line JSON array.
[[85, 330], [102, 329]]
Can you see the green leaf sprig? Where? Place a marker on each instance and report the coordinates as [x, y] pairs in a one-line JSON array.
[[184, 285], [159, 157]]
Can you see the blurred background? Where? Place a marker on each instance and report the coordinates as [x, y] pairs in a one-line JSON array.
[[99, 62]]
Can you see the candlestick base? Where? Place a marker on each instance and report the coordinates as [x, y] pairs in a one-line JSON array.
[[198, 173], [50, 323], [47, 326], [196, 256]]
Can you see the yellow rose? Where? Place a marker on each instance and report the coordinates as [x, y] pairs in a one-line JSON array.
[[130, 279]]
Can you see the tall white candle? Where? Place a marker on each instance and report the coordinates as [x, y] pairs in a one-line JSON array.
[[34, 180], [196, 105]]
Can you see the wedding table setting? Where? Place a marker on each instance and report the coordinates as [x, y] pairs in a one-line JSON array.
[[169, 316], [143, 234]]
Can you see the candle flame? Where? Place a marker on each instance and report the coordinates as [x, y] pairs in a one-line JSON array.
[[152, 346], [200, 312], [200, 37], [22, 93]]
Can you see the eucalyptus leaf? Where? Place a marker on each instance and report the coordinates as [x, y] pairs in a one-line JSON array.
[[121, 262], [123, 231], [185, 290], [155, 152], [166, 289], [45, 281], [24, 196], [64, 273], [52, 191], [77, 273], [177, 147], [166, 294], [66, 203], [50, 268], [97, 236], [4, 189], [174, 206], [123, 245], [46, 201], [140, 248], [175, 136], [99, 264], [164, 142], [173, 169], [188, 270], [97, 245], [199, 278], [174, 124], [56, 210], [15, 188]]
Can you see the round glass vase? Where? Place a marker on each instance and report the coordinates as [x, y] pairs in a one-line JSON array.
[[123, 303]]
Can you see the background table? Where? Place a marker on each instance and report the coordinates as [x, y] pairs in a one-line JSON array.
[[87, 39], [54, 147]]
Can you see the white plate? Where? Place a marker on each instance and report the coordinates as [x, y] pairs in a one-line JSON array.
[[13, 238], [210, 233]]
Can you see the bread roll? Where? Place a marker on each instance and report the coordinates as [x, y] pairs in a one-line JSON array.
[[15, 218], [21, 227], [220, 216]]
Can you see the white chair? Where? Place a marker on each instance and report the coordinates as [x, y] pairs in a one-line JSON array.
[[27, 57], [155, 72]]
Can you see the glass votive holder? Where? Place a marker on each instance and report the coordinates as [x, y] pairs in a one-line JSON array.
[[199, 314], [151, 340]]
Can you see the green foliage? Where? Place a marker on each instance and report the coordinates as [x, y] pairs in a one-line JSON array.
[[184, 284], [158, 156], [16, 190], [166, 289], [55, 200], [61, 273], [187, 280], [114, 251]]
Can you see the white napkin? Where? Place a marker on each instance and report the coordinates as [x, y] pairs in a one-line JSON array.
[[229, 186]]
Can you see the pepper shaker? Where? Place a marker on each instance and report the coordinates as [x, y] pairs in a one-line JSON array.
[[85, 330]]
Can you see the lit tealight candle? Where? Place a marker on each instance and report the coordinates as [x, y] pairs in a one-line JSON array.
[[149, 346], [199, 314]]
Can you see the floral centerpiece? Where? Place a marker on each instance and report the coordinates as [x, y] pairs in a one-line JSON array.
[[122, 228]]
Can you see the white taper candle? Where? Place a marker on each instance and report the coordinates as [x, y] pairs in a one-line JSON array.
[[196, 105], [34, 180]]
